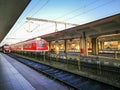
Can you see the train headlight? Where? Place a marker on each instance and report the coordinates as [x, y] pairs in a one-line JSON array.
[[38, 38]]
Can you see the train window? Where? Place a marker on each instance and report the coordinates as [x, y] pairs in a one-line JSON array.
[[6, 46], [33, 44], [27, 46], [41, 44]]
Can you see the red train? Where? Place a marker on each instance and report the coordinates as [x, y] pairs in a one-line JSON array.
[[6, 48], [31, 46]]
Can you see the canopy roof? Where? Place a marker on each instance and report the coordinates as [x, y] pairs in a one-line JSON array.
[[105, 26], [10, 10]]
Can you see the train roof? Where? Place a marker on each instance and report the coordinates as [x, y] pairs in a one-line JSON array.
[[29, 40]]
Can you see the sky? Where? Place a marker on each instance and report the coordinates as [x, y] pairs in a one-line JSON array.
[[70, 11]]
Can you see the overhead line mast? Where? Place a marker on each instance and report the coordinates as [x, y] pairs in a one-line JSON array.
[[51, 21]]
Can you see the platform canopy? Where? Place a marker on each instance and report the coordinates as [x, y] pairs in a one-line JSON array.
[[10, 10], [105, 26]]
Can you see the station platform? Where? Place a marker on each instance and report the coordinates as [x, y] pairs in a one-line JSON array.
[[17, 76]]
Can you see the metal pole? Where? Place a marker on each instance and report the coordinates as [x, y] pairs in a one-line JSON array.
[[56, 57], [44, 56], [79, 66], [115, 54], [56, 27], [99, 65]]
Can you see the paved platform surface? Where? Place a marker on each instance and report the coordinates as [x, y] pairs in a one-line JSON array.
[[17, 76]]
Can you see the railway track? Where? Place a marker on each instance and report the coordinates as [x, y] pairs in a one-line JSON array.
[[73, 80]]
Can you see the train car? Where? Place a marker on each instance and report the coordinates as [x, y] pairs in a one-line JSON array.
[[17, 47], [6, 48], [31, 46], [35, 45]]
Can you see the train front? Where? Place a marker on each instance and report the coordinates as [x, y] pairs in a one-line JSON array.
[[42, 45], [6, 48]]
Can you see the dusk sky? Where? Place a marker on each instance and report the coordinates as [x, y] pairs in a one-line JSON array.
[[70, 11]]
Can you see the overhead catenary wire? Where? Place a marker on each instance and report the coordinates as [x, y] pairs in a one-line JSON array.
[[17, 27], [91, 9], [80, 8], [68, 12], [34, 12], [99, 6], [37, 11], [75, 10]]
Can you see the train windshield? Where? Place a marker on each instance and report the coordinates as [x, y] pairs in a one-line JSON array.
[[6, 46], [41, 44]]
